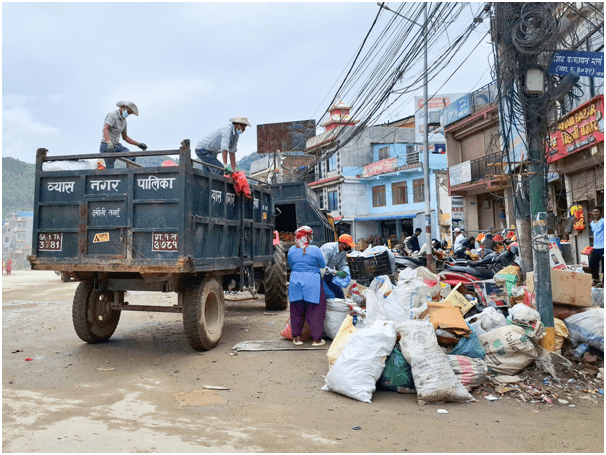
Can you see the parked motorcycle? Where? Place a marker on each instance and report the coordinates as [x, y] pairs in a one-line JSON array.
[[484, 269]]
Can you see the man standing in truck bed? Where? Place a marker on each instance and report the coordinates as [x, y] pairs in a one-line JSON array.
[[114, 127], [224, 140]]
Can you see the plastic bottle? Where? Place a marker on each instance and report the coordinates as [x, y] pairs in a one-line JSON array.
[[580, 350]]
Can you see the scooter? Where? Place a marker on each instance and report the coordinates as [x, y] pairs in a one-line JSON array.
[[484, 269]]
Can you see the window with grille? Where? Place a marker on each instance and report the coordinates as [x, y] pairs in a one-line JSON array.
[[333, 201], [378, 196], [398, 193], [418, 190], [21, 225], [412, 154], [21, 236], [384, 153]]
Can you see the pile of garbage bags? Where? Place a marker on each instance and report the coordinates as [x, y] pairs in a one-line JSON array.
[[413, 337]]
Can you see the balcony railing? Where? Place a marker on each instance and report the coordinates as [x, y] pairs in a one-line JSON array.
[[482, 168]]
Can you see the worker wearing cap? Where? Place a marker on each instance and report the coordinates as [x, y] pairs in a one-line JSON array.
[[458, 239], [114, 127], [335, 254], [223, 140]]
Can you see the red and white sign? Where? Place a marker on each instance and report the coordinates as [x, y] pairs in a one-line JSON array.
[[556, 261], [580, 129], [379, 167]]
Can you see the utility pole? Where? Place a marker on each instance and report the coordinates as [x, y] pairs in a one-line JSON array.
[[427, 192]]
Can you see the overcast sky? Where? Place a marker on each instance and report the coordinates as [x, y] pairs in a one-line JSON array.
[[189, 67]]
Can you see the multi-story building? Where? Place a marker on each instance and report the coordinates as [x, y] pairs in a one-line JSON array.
[[17, 237]]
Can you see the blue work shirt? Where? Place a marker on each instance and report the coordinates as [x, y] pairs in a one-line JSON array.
[[305, 278], [224, 138], [597, 227]]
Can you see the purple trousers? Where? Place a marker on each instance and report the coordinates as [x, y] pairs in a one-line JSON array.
[[314, 313]]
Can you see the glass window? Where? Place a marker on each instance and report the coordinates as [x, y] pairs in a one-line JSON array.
[[21, 225], [378, 196], [384, 153], [6, 240], [418, 190], [398, 193], [412, 154], [21, 236], [333, 201], [332, 163]]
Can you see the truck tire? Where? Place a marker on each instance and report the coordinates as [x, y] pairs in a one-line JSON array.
[[276, 292], [204, 314], [93, 321]]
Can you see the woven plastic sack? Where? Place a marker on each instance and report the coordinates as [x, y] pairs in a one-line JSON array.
[[434, 379], [340, 340], [561, 332], [397, 375], [336, 311], [587, 327], [305, 333], [508, 349], [470, 372], [359, 367], [241, 184]]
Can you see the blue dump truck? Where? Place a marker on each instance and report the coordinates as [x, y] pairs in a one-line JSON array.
[[167, 229]]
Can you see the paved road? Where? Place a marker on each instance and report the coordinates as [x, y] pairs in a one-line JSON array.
[[119, 396]]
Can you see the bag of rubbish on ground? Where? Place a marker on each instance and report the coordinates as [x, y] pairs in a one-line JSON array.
[[508, 349], [489, 319], [340, 340], [359, 367], [429, 278], [434, 379], [397, 375], [469, 347], [470, 372], [561, 332], [529, 319], [406, 301], [597, 297], [587, 327], [336, 311]]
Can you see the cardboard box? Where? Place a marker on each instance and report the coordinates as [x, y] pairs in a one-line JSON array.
[[570, 288], [457, 299], [445, 316]]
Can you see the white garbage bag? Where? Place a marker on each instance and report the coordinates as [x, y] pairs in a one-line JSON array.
[[434, 379], [359, 367], [508, 349], [336, 311], [587, 327]]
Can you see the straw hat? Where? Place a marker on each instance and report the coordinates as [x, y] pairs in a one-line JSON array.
[[129, 104]]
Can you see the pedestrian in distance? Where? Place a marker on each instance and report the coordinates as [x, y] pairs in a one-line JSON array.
[[305, 292], [335, 255], [459, 237], [224, 141], [414, 241], [9, 266], [114, 127], [597, 254]]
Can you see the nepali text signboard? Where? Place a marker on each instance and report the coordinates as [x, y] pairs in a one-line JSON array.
[[580, 129], [456, 110], [460, 173], [285, 137], [379, 167], [588, 64]]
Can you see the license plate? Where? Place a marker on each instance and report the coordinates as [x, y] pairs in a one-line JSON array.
[[165, 242], [50, 242]]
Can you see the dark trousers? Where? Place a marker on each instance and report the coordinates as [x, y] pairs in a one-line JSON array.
[[209, 158], [595, 260], [109, 162], [314, 314]]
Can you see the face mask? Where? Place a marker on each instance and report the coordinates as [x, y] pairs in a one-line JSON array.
[[125, 113], [238, 132]]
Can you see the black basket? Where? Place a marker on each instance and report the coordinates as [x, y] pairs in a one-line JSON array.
[[367, 268]]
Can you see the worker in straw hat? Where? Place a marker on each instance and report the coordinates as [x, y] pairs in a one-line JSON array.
[[114, 127], [224, 141]]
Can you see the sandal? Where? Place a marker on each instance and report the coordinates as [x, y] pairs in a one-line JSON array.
[[318, 343], [297, 343]]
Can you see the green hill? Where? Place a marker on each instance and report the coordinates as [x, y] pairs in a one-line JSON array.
[[17, 185]]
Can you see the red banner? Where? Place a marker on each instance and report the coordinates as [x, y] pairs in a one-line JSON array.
[[380, 167], [580, 129]]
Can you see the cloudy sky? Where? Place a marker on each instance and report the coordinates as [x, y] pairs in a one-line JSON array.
[[189, 67]]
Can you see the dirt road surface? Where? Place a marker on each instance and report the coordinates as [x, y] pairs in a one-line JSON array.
[[119, 396]]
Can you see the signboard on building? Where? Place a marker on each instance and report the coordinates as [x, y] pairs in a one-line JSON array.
[[379, 167], [457, 212], [456, 110], [460, 173], [284, 137], [588, 64], [580, 129], [437, 103]]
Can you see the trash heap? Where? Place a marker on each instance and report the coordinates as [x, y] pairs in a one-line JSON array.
[[447, 345]]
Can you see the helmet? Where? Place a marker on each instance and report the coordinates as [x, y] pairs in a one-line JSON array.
[[435, 243]]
